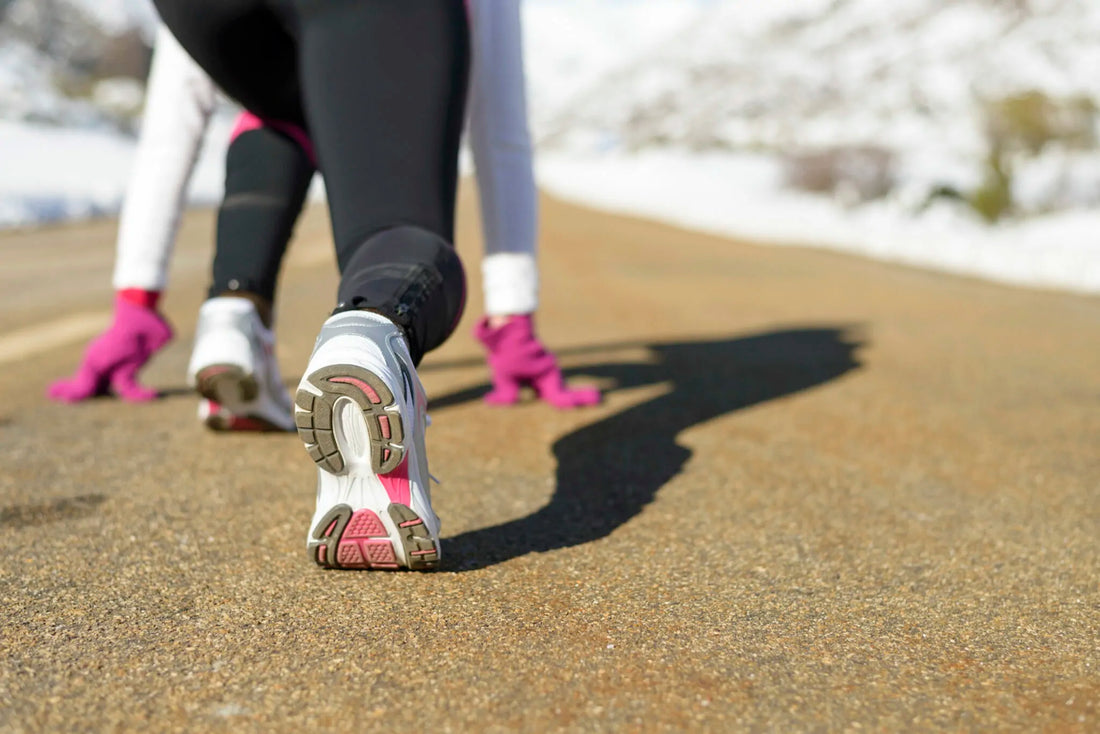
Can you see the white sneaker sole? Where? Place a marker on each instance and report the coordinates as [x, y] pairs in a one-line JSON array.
[[352, 427], [231, 387]]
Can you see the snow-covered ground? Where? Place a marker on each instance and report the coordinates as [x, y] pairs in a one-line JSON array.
[[53, 174], [691, 111], [743, 196]]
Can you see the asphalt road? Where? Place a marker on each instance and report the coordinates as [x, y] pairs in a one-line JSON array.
[[822, 494]]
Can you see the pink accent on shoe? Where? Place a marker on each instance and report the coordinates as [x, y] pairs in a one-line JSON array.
[[244, 423], [364, 544], [397, 483], [349, 555], [379, 551], [365, 524], [112, 360], [410, 523], [517, 358], [384, 424], [364, 387], [209, 372]]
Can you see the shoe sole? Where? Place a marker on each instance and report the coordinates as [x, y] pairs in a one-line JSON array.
[[229, 385], [350, 538], [358, 539], [380, 413]]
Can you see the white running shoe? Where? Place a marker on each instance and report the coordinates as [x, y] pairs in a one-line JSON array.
[[361, 412], [233, 368]]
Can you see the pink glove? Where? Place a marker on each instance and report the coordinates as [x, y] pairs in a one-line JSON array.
[[517, 358], [113, 359]]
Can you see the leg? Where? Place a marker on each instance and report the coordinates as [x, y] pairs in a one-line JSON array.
[[233, 364], [385, 116], [248, 49], [503, 154], [246, 46], [267, 176], [383, 85]]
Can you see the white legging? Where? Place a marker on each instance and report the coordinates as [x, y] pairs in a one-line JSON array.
[[179, 105]]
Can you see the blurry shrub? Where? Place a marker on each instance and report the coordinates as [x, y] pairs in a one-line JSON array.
[[852, 174], [59, 29], [125, 55], [1024, 125], [992, 200], [1030, 121], [81, 49]]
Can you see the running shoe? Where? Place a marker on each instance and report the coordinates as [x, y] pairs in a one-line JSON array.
[[233, 368], [361, 412]]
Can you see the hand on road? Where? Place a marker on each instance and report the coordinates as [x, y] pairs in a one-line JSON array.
[[112, 360], [517, 357]]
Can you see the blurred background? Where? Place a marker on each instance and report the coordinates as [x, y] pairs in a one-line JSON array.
[[955, 134]]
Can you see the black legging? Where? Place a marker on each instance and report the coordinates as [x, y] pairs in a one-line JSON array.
[[267, 176], [379, 85]]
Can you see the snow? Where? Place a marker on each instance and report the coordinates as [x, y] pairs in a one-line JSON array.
[[699, 125], [689, 111], [55, 174], [741, 196], [119, 15]]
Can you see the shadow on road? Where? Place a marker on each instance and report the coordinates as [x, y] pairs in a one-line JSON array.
[[609, 470], [44, 513]]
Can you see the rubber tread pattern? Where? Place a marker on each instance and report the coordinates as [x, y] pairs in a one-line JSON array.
[[421, 551], [357, 539], [227, 384], [314, 422], [230, 386]]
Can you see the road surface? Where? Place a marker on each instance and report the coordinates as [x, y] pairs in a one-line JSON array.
[[822, 493]]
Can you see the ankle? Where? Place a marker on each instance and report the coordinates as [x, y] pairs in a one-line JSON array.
[[263, 306]]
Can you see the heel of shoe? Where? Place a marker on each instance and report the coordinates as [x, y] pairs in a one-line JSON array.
[[359, 539], [333, 439], [226, 384]]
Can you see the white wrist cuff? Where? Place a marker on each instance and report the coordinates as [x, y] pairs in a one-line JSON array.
[[510, 281]]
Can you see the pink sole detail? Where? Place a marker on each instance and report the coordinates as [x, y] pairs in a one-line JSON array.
[[364, 544], [384, 424], [410, 523], [349, 555], [242, 423], [379, 552], [365, 524], [211, 372], [367, 389]]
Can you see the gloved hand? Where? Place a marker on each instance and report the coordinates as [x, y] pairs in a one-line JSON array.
[[517, 358], [113, 358]]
